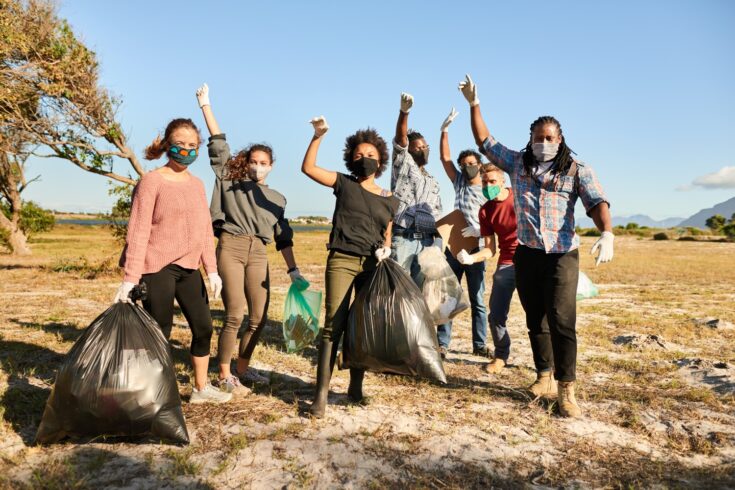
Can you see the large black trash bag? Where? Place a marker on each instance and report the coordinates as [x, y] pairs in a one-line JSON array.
[[390, 328], [117, 380]]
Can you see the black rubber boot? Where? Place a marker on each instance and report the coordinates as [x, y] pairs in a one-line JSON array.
[[323, 375], [355, 389]]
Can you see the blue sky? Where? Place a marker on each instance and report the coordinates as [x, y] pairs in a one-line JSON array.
[[644, 90]]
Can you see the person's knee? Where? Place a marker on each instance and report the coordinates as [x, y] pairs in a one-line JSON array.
[[201, 341]]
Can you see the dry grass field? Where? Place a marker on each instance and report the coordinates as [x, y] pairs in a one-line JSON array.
[[656, 386]]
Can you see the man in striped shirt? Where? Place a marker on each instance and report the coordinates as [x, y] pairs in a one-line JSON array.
[[467, 184]]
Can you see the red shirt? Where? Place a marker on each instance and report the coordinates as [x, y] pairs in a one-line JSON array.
[[499, 218]]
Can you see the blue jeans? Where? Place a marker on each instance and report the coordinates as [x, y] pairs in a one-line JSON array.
[[504, 282], [476, 288], [406, 251]]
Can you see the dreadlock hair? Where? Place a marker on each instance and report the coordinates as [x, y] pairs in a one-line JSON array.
[[414, 135], [562, 160]]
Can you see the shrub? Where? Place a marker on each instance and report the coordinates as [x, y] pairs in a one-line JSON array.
[[661, 236]]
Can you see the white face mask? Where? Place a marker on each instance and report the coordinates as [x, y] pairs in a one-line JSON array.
[[258, 172], [545, 151]]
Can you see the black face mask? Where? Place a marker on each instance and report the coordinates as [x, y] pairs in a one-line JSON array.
[[470, 171], [420, 156], [364, 167]]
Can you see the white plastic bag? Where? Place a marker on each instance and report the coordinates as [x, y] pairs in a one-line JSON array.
[[585, 288], [442, 290]]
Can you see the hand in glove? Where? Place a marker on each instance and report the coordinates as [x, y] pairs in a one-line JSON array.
[[448, 120], [320, 126], [298, 279], [123, 293], [215, 284], [406, 102], [382, 253], [605, 245], [469, 90], [471, 231], [465, 258], [203, 95]]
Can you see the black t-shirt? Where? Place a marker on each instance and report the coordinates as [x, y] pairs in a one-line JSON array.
[[360, 217]]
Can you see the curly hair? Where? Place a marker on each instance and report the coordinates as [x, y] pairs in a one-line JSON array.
[[237, 165], [160, 145], [372, 137], [466, 153]]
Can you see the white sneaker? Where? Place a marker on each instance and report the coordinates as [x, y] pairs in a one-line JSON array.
[[209, 394], [231, 384]]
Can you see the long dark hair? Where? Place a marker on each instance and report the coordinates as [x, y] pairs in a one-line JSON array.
[[562, 160]]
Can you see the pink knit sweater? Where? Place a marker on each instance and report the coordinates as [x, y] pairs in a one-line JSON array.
[[169, 224]]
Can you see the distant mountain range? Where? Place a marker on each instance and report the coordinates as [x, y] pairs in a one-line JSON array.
[[697, 220]]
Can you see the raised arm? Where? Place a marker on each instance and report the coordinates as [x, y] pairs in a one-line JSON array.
[[309, 167], [469, 90], [206, 107], [402, 123], [444, 154]]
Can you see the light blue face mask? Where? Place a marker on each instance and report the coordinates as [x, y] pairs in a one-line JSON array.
[[491, 191]]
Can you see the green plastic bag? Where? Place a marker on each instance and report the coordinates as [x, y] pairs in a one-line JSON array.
[[301, 317], [585, 287]]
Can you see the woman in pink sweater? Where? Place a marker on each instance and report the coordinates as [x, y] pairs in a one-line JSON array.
[[169, 237]]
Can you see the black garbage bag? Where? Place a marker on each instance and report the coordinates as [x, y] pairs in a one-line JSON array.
[[390, 328], [117, 380]]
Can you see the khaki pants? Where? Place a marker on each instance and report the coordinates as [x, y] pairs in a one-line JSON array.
[[243, 265], [344, 272]]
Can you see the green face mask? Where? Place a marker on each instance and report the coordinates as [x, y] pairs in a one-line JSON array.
[[491, 191]]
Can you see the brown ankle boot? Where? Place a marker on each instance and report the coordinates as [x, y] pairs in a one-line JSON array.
[[567, 402], [544, 386], [494, 366]]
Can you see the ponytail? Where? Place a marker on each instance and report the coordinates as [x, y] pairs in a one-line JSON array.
[[160, 145]]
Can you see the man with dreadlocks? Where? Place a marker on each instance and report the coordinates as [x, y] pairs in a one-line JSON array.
[[414, 225], [547, 181]]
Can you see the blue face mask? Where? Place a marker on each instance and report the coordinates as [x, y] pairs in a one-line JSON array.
[[491, 191], [182, 155]]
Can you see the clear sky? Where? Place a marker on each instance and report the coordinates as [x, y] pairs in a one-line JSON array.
[[644, 90]]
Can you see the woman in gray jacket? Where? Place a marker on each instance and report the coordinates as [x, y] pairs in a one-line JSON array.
[[247, 215]]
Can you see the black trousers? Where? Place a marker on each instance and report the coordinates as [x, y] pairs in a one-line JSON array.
[[187, 286], [547, 287]]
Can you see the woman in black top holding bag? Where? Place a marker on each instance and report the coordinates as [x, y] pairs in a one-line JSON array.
[[360, 238]]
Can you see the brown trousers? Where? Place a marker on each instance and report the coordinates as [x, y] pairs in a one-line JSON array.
[[242, 262]]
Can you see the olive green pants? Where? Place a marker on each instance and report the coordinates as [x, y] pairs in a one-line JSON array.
[[345, 272]]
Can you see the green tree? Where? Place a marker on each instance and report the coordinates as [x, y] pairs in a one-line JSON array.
[[631, 226], [52, 105], [715, 222]]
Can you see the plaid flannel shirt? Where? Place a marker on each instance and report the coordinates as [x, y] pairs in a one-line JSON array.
[[544, 205]]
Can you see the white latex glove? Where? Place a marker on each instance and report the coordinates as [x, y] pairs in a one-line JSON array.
[[448, 120], [215, 284], [298, 279], [123, 293], [320, 126], [465, 258], [471, 231], [605, 245], [203, 95], [469, 90], [406, 102], [382, 253]]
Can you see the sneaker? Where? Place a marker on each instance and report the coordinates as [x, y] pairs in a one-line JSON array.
[[443, 352], [482, 352], [252, 376], [209, 394], [494, 366], [231, 384], [544, 386]]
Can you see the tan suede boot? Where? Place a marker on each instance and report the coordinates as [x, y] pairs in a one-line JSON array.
[[494, 366], [544, 386], [567, 402]]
